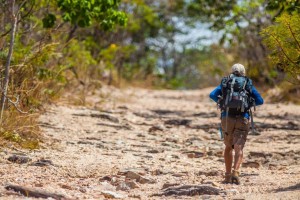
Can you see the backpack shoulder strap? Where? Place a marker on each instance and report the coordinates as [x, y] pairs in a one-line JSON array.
[[249, 85], [225, 80], [246, 81]]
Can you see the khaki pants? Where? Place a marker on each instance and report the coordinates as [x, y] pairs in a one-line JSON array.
[[237, 130]]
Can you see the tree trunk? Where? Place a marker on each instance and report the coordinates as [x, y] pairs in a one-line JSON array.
[[14, 21]]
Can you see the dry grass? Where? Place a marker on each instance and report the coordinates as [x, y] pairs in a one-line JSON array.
[[285, 92], [20, 130]]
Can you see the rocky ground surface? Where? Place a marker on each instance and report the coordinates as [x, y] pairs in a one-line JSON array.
[[145, 144]]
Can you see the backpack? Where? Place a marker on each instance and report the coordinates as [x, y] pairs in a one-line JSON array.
[[236, 92]]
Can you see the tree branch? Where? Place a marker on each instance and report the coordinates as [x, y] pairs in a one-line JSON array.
[[280, 46], [22, 4], [15, 104], [278, 13], [22, 17], [293, 34]]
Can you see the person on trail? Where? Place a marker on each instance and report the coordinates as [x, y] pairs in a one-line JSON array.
[[235, 97]]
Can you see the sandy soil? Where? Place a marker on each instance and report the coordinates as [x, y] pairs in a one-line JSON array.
[[132, 143]]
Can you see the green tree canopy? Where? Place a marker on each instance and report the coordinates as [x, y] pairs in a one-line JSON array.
[[84, 12]]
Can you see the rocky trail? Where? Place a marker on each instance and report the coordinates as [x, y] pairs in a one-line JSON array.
[[146, 144]]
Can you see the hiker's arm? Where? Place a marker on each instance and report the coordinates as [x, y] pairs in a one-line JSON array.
[[258, 99], [215, 93]]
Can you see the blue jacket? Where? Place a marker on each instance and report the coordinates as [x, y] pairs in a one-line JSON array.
[[218, 92]]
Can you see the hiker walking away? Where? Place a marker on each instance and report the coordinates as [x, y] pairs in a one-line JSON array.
[[235, 97]]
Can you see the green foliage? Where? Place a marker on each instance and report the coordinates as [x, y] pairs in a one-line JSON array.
[[79, 61], [84, 12], [284, 6], [283, 40], [214, 11], [11, 136], [49, 20], [176, 83], [143, 21]]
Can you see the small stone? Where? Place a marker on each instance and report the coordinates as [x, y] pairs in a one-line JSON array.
[[156, 128], [64, 186], [132, 184], [190, 190], [123, 186], [156, 172], [272, 166], [179, 174], [127, 185], [219, 154], [132, 175], [155, 151], [42, 163], [191, 155], [282, 168], [140, 171], [166, 185], [194, 154], [138, 178], [178, 122], [19, 159], [172, 140], [114, 180], [234, 191], [39, 185], [215, 184], [105, 178], [258, 154], [112, 195], [145, 180], [105, 116], [210, 173], [251, 164], [135, 196]]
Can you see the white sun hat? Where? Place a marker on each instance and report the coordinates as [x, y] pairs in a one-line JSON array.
[[238, 68]]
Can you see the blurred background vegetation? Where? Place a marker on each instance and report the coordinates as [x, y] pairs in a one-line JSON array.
[[80, 45]]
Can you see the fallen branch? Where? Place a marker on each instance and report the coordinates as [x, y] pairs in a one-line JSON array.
[[29, 192]]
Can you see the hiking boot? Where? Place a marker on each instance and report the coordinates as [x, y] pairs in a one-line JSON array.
[[227, 178], [235, 177]]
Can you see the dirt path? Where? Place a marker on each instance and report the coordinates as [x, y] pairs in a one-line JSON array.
[[132, 143]]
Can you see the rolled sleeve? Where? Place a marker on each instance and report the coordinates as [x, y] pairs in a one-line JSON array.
[[257, 97], [215, 93]]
